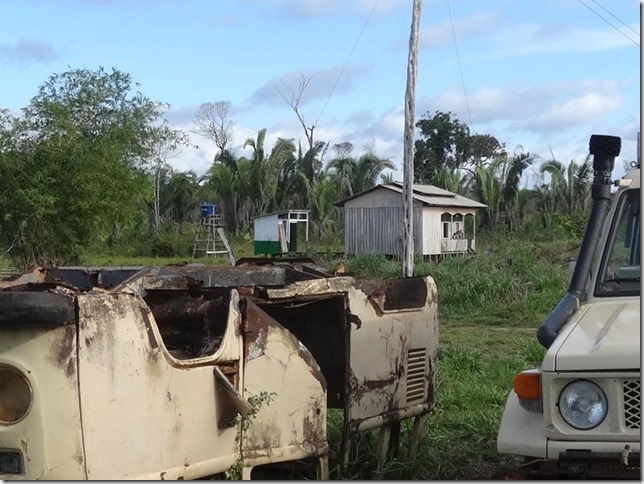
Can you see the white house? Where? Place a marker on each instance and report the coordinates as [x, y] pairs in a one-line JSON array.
[[444, 222]]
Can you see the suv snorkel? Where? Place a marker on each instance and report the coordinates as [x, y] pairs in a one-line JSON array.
[[604, 150]]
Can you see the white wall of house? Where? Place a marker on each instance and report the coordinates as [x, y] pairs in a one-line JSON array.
[[432, 232]]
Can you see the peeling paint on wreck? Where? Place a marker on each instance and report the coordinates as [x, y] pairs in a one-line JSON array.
[[181, 351]]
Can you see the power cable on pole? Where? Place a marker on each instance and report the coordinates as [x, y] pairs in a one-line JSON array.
[[605, 20], [616, 17], [355, 44], [460, 67]]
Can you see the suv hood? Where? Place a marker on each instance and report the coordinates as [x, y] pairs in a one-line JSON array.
[[605, 337]]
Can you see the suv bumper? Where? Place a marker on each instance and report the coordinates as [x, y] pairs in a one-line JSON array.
[[583, 464]]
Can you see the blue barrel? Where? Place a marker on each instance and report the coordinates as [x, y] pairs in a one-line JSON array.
[[208, 209]]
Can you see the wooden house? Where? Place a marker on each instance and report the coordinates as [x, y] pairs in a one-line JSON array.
[[444, 222]]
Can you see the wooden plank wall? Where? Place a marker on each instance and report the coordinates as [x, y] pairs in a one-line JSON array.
[[379, 230]]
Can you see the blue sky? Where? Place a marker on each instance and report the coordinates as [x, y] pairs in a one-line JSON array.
[[542, 74]]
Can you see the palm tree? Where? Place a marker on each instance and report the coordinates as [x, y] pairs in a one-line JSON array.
[[487, 188], [324, 213], [307, 174], [341, 169], [496, 184], [257, 160], [281, 158], [387, 178], [367, 171], [454, 181], [181, 201], [569, 187], [511, 180]]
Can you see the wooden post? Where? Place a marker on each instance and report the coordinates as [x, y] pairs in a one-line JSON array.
[[408, 159]]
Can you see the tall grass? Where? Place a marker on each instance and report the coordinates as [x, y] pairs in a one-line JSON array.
[[510, 281]]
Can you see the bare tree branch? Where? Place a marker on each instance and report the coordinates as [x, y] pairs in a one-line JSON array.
[[214, 121], [294, 100]]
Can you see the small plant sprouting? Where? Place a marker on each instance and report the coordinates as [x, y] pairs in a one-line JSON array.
[[257, 402]]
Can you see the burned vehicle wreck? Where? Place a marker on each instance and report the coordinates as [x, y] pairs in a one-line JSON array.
[[183, 372]]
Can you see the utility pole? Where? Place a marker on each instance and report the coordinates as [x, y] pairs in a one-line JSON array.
[[408, 159]]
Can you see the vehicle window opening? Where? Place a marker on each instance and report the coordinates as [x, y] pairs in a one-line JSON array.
[[192, 324], [321, 326]]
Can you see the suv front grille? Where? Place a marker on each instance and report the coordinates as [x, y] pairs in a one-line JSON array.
[[632, 404]]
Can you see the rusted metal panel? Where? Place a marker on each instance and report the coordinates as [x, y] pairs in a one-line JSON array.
[[399, 382], [36, 309], [313, 287], [236, 276], [291, 422]]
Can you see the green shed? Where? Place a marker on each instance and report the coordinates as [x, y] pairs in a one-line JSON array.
[[277, 232]]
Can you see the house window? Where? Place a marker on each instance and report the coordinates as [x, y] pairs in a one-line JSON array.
[[446, 219]]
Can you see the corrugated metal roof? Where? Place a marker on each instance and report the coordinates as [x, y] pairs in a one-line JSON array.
[[280, 212], [426, 194], [437, 197]]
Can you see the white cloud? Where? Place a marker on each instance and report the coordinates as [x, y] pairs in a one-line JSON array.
[[305, 10], [321, 84], [27, 51], [576, 110], [441, 34], [525, 40]]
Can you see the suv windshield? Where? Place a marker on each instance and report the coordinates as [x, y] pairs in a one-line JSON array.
[[620, 271]]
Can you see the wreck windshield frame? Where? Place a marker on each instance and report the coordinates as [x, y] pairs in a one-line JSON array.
[[619, 274]]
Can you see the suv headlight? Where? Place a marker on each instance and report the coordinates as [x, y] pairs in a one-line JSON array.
[[583, 404]]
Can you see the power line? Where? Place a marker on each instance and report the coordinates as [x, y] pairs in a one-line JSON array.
[[460, 67], [616, 17], [605, 20], [364, 27]]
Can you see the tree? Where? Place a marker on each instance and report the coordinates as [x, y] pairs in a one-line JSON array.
[[342, 166], [446, 143], [454, 181], [182, 197], [214, 121], [165, 146], [443, 144], [73, 166], [367, 171], [569, 186], [294, 100], [496, 184], [568, 190]]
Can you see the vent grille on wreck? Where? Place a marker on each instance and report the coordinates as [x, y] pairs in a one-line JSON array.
[[416, 381]]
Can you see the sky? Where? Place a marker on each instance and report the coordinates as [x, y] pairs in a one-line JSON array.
[[539, 75]]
